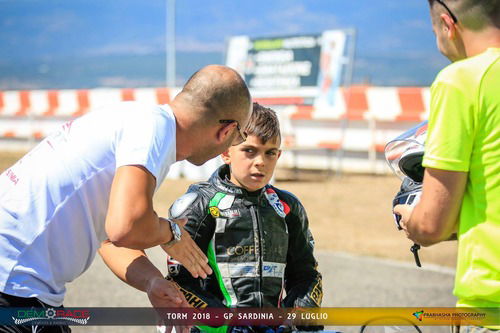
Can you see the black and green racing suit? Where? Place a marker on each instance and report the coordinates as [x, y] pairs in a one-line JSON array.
[[258, 244]]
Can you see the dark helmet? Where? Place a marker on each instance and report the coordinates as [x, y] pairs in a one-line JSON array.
[[404, 154], [411, 165], [409, 194]]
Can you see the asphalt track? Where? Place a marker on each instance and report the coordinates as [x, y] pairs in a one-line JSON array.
[[348, 281]]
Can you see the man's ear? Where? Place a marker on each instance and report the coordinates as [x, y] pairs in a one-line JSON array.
[[279, 153], [226, 157], [224, 132], [449, 26]]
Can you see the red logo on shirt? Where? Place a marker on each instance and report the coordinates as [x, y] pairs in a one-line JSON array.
[[67, 126], [12, 176]]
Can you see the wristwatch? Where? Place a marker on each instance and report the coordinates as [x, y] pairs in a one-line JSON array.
[[176, 234]]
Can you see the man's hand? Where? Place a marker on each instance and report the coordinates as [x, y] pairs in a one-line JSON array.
[[188, 253], [165, 294], [434, 218], [134, 268], [405, 212]]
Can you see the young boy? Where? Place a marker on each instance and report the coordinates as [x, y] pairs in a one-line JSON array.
[[255, 235]]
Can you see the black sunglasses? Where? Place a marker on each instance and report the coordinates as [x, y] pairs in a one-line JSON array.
[[243, 135], [449, 11]]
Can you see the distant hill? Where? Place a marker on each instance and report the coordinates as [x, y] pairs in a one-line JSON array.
[[99, 71], [149, 71]]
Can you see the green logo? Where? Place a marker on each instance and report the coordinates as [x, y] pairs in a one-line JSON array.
[[419, 314]]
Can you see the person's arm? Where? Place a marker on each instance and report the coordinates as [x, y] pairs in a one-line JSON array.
[[134, 268], [199, 297], [435, 217], [303, 282], [201, 226], [131, 221]]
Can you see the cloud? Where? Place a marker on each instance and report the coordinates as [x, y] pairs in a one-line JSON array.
[[281, 18], [299, 19], [193, 44], [59, 21], [153, 44], [123, 48], [56, 21], [418, 24], [183, 43], [39, 30]]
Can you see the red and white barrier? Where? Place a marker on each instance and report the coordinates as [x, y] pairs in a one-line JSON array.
[[26, 113], [363, 120], [359, 102]]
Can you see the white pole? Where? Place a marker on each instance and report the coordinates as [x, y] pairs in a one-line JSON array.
[[170, 43], [348, 77]]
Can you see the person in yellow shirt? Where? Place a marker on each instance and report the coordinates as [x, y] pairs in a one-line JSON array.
[[461, 187]]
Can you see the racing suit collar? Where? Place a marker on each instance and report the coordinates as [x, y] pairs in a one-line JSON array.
[[220, 179]]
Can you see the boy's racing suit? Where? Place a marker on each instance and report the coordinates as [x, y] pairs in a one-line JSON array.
[[257, 243]]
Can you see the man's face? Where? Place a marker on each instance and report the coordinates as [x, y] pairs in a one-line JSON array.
[[207, 149], [252, 162], [442, 42]]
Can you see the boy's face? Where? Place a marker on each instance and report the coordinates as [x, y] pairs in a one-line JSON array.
[[252, 162]]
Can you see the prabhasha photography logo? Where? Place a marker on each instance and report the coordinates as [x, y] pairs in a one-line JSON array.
[[51, 316], [450, 316], [419, 314]]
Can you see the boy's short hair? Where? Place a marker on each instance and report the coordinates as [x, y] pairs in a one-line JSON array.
[[264, 124]]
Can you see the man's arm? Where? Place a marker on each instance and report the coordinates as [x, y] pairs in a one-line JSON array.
[[134, 268], [435, 217], [131, 221]]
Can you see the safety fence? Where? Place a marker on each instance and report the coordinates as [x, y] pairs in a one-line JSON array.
[[348, 137]]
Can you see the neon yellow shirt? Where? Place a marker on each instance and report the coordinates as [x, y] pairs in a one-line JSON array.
[[464, 135]]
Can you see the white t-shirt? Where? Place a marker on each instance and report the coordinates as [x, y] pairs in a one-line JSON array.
[[53, 202]]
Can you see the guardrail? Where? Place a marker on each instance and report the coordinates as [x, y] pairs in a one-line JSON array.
[[349, 136]]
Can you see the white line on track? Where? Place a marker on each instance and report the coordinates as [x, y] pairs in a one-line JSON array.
[[390, 262]]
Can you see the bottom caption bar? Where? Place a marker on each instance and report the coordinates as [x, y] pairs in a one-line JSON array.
[[423, 316]]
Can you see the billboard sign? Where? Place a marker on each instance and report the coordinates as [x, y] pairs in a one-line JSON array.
[[289, 62]]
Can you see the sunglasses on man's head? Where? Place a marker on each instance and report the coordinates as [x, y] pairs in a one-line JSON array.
[[242, 134], [454, 18]]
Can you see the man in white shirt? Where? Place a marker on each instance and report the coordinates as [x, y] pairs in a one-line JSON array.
[[94, 181]]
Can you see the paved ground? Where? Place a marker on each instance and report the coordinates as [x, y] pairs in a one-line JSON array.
[[349, 213], [349, 281]]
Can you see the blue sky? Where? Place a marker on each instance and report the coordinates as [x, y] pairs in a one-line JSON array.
[[390, 33]]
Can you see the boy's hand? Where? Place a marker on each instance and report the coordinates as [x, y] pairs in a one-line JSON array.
[[188, 253]]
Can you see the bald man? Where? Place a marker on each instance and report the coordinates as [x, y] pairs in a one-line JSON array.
[[94, 180], [461, 187]]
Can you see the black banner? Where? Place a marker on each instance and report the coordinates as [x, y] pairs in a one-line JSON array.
[[283, 62]]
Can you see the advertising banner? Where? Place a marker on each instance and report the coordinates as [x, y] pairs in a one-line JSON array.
[[290, 62]]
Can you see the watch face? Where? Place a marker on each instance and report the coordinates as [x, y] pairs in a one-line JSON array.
[[176, 230]]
